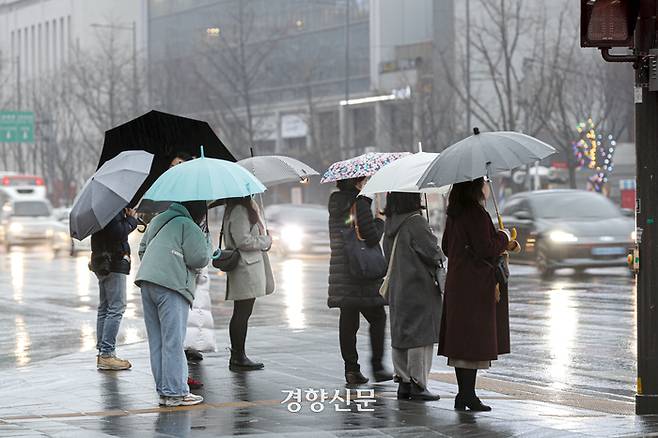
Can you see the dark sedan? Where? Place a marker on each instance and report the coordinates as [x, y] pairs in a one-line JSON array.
[[298, 228], [568, 229]]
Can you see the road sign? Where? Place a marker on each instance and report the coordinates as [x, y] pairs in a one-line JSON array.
[[16, 127]]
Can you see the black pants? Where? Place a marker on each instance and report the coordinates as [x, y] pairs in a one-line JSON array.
[[349, 326], [239, 322]]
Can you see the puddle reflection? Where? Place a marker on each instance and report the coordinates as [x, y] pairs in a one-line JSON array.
[[17, 266], [291, 277], [562, 333], [23, 343]]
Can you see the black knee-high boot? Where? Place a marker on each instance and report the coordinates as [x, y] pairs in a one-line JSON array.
[[467, 397]]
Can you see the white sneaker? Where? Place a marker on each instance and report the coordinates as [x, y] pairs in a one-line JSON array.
[[162, 401], [188, 400]]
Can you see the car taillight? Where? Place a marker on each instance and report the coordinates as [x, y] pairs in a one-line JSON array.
[[39, 181], [5, 181]]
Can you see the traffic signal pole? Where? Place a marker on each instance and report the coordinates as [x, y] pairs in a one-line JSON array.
[[646, 149]]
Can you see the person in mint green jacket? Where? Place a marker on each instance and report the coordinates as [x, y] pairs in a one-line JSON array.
[[173, 249]]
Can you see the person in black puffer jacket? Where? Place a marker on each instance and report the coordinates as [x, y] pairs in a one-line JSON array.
[[354, 296]]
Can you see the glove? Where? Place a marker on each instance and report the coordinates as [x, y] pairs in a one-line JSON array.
[[514, 246]]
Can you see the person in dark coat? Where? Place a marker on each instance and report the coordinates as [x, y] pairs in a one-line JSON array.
[[469, 329], [355, 296], [110, 261], [414, 298]]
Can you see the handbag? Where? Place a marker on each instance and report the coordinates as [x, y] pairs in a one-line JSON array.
[[365, 262], [227, 259]]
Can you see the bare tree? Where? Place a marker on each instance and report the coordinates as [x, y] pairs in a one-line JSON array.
[[232, 66]]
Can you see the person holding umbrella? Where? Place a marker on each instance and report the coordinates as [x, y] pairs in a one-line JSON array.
[[173, 248], [355, 296], [110, 261], [469, 327]]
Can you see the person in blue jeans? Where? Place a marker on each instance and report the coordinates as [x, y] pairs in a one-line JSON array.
[[174, 247], [110, 261]]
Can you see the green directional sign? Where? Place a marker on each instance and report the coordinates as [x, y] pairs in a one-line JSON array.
[[16, 127]]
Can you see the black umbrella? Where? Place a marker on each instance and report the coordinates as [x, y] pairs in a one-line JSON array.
[[163, 135]]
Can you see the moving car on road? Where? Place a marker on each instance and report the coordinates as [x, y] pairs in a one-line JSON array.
[[298, 228], [27, 222], [568, 229]]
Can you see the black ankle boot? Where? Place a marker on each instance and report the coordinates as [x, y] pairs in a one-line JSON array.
[[355, 378], [404, 391], [240, 362], [422, 394], [382, 375], [473, 403]]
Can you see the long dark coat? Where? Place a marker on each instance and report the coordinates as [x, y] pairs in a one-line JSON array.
[[469, 327], [413, 297], [344, 289]]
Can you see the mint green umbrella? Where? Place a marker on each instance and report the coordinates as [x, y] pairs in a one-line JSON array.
[[204, 179]]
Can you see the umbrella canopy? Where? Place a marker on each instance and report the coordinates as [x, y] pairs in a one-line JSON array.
[[108, 191], [483, 154], [402, 176], [363, 165], [275, 169], [204, 179], [163, 135]]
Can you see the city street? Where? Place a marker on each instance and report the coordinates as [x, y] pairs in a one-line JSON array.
[[573, 339]]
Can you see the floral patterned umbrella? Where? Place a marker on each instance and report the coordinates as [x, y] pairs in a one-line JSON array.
[[363, 165]]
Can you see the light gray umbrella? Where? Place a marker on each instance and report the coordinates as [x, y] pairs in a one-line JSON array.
[[276, 169], [484, 154], [108, 191]]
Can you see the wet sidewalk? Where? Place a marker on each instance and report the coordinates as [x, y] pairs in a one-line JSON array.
[[68, 397]]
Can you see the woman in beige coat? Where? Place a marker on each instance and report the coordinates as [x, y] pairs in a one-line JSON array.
[[244, 230]]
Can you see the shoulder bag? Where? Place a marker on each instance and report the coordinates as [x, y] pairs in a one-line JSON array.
[[365, 262], [228, 258]]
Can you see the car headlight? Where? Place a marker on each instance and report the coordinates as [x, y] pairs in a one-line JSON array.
[[292, 236], [563, 237], [15, 228]]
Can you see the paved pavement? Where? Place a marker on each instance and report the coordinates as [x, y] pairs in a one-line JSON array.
[[571, 371], [67, 397]]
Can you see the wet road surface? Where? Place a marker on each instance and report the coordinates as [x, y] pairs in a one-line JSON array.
[[569, 333], [571, 372]]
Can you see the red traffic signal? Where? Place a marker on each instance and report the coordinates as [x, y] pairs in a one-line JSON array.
[[608, 23]]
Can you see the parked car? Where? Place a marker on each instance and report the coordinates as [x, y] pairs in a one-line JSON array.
[[568, 229], [28, 222], [298, 228]]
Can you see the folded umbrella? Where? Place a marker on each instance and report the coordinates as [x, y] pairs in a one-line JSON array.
[[275, 169], [363, 165], [204, 179], [108, 191]]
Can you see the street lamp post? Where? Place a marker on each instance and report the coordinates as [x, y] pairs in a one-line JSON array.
[[133, 28]]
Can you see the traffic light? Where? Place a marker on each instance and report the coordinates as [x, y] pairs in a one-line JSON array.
[[608, 23]]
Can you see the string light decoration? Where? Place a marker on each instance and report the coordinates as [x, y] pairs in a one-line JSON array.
[[594, 151]]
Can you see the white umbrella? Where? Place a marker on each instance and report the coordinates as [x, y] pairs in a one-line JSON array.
[[402, 176], [108, 191], [272, 170]]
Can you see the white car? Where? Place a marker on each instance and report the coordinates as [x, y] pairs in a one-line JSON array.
[[29, 222]]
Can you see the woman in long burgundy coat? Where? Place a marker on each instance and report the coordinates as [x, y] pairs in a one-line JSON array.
[[469, 329]]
